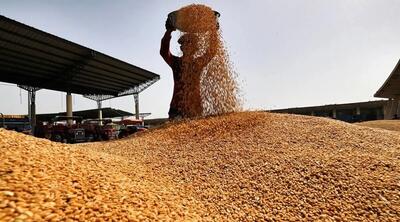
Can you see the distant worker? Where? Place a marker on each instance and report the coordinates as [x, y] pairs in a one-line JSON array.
[[189, 46]]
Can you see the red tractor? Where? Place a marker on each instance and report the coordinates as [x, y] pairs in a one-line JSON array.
[[59, 130], [97, 130]]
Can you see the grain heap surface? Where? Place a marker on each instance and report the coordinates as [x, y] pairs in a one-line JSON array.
[[382, 124], [249, 166], [42, 180], [210, 85]]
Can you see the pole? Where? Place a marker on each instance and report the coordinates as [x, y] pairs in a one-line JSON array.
[[29, 104], [136, 98], [100, 112], [33, 111], [397, 111], [69, 108]]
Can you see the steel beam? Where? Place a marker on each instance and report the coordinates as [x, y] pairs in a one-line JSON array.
[[69, 108]]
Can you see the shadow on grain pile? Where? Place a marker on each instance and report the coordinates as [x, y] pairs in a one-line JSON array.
[[247, 166]]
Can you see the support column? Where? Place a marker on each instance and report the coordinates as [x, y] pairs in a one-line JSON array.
[[358, 111], [380, 113], [100, 113], [33, 111], [393, 108], [136, 98], [29, 104], [386, 109], [69, 108]]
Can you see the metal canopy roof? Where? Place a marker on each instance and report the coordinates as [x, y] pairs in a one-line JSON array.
[[87, 114], [391, 87], [32, 57]]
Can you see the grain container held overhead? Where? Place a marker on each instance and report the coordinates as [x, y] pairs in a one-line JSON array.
[[210, 86]]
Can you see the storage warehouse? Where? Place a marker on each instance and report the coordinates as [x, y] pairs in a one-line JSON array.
[[361, 111]]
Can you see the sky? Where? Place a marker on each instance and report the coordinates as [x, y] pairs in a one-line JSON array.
[[287, 53]]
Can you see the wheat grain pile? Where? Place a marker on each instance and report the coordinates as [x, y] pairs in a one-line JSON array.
[[247, 166], [210, 85], [45, 181], [382, 124]]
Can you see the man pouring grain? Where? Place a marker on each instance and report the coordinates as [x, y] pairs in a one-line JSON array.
[[186, 100]]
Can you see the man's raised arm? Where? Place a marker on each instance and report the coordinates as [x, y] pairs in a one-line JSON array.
[[165, 41]]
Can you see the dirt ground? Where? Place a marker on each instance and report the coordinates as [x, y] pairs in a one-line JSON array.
[[249, 166]]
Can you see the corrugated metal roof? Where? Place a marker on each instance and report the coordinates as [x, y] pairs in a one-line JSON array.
[[32, 57], [86, 114], [391, 87]]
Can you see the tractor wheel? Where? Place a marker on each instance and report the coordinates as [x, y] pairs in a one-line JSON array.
[[57, 138], [90, 138]]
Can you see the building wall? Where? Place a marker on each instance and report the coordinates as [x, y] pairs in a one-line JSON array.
[[392, 109], [355, 112]]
